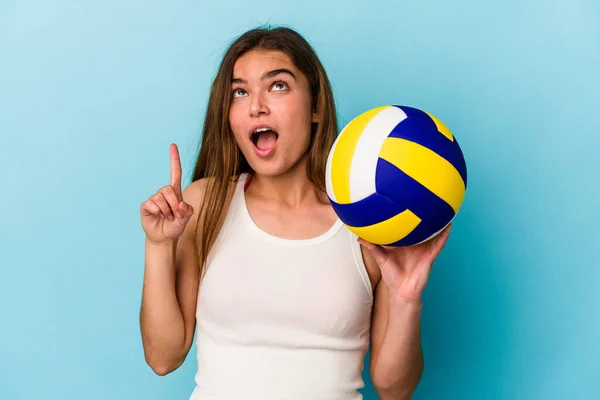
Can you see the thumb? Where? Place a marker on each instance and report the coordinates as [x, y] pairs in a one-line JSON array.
[[186, 211], [189, 209]]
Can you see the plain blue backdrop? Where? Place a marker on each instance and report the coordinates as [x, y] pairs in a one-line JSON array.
[[93, 92]]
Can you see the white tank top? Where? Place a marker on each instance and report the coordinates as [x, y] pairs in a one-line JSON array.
[[280, 318]]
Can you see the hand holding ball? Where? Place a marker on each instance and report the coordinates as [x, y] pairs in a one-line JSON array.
[[396, 176]]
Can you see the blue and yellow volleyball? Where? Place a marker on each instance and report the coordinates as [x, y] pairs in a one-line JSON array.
[[396, 176]]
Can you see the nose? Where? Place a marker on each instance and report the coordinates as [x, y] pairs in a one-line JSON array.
[[258, 106]]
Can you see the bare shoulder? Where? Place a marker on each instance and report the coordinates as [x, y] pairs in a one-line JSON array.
[[195, 191], [195, 194]]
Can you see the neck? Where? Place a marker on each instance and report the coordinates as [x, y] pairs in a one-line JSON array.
[[291, 188]]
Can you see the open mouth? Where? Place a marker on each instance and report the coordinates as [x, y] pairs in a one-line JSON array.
[[264, 138]]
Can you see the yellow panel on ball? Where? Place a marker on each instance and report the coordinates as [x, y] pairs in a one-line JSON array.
[[427, 168], [390, 230], [443, 129]]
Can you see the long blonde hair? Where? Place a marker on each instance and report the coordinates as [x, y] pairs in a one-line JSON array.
[[220, 158]]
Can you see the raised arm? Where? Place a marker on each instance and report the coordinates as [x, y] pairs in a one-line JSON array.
[[170, 287]]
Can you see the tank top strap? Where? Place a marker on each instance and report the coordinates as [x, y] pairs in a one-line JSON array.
[[233, 214]]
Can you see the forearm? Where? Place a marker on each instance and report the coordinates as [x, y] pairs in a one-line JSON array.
[[399, 364], [161, 319]]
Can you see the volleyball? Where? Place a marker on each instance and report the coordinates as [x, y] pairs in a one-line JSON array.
[[396, 176]]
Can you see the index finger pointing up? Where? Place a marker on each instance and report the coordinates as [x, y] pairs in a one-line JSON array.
[[175, 170]]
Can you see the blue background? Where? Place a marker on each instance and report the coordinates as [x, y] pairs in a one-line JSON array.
[[93, 92]]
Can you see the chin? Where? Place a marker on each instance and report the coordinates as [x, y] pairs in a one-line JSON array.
[[270, 169], [275, 167]]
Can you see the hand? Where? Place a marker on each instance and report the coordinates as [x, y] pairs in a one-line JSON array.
[[405, 270], [165, 215]]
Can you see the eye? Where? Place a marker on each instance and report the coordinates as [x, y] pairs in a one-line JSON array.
[[238, 93], [279, 85]]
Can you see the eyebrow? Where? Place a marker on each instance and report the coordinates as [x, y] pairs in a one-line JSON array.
[[268, 75]]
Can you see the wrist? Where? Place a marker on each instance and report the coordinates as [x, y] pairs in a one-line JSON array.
[[164, 251], [408, 304], [167, 244]]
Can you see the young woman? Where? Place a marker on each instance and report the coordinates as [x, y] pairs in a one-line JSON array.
[[285, 299]]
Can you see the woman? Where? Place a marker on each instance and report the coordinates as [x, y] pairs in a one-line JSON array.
[[285, 299]]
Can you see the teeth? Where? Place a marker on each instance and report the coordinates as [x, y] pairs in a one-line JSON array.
[[258, 130]]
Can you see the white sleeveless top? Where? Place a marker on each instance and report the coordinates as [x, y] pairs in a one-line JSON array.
[[280, 318]]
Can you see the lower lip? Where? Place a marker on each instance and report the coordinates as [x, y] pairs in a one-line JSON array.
[[264, 153]]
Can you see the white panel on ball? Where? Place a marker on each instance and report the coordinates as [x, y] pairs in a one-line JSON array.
[[366, 154]]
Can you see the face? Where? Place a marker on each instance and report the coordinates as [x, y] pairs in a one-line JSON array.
[[271, 111]]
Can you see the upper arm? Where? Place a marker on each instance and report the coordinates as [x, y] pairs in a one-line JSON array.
[[380, 308], [187, 274]]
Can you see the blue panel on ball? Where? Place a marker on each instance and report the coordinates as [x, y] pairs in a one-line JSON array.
[[418, 132], [419, 115], [407, 193], [368, 211]]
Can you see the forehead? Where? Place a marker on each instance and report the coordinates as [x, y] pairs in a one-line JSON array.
[[256, 62]]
